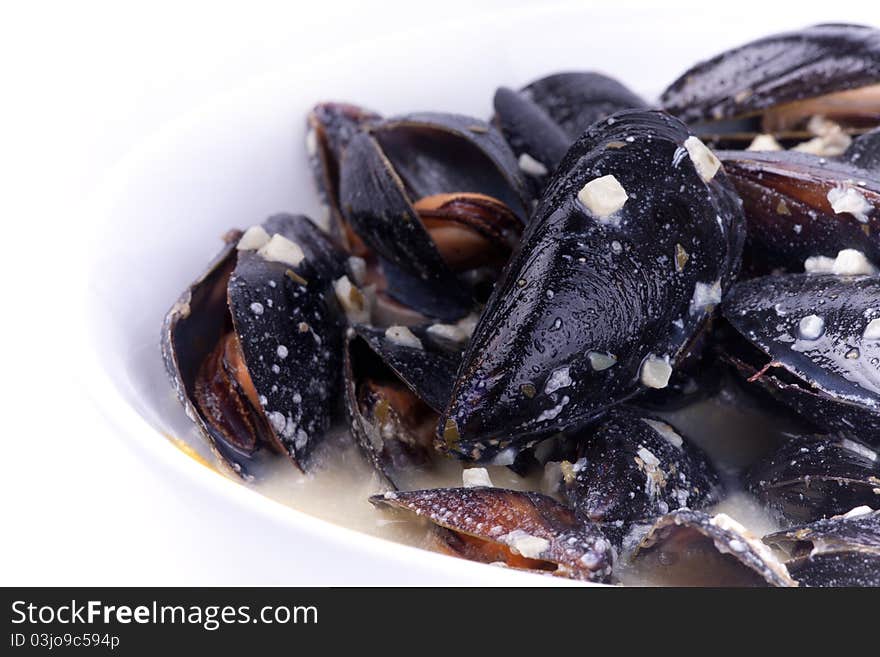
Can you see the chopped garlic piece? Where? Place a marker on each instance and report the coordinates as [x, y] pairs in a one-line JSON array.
[[665, 430], [559, 378], [531, 166], [281, 249], [603, 196], [472, 477], [253, 238], [858, 511], [600, 361], [704, 159], [849, 262], [655, 372], [352, 301], [705, 295], [402, 336], [525, 544], [849, 200], [764, 143], [830, 139]]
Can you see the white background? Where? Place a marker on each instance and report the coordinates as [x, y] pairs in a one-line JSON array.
[[82, 83]]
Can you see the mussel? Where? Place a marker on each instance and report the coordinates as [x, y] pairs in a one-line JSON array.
[[329, 128], [637, 237], [800, 208], [692, 548], [840, 551], [776, 84], [635, 467], [434, 197], [397, 381], [543, 119], [253, 347], [522, 530], [813, 342], [813, 477]]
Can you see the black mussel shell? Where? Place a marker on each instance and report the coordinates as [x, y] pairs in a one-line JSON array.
[[798, 205], [837, 569], [839, 551], [379, 210], [635, 467], [448, 153], [577, 100], [397, 380], [698, 377], [538, 141], [775, 71], [817, 346], [692, 548], [523, 530], [593, 301], [429, 193], [864, 153], [190, 332], [543, 119], [391, 425], [425, 366], [814, 477], [274, 309], [330, 126]]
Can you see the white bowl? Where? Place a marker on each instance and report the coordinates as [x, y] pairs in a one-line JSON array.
[[240, 158]]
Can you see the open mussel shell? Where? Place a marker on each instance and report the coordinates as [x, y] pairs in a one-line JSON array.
[[522, 530], [435, 197], [692, 548], [638, 235], [813, 342], [397, 380], [381, 214], [635, 467], [329, 128], [437, 153], [783, 80], [798, 205], [814, 477], [253, 347], [839, 551], [422, 362]]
